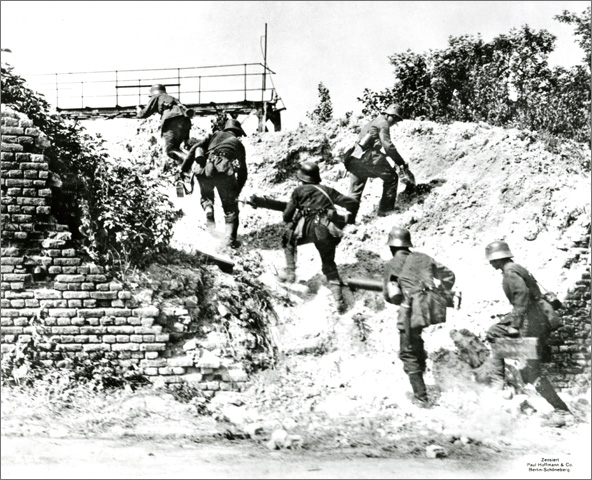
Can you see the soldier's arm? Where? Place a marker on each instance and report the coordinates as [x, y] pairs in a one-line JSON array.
[[519, 295], [385, 139], [242, 173], [349, 203], [290, 208], [445, 275], [150, 108]]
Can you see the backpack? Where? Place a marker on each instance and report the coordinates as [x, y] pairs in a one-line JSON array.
[[219, 164], [547, 302]]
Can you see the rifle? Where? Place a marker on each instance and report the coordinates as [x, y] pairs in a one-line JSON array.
[[224, 264], [265, 202], [257, 201]]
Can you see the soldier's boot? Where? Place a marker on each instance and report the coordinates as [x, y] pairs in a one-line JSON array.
[[498, 372], [546, 390], [336, 290], [231, 231], [210, 219], [289, 274], [419, 389]]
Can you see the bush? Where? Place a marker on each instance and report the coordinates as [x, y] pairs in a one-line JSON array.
[[113, 210], [505, 82]]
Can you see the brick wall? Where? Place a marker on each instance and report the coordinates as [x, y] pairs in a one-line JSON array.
[[80, 310], [571, 343]]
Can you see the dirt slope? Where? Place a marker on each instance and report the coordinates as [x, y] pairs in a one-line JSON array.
[[341, 380]]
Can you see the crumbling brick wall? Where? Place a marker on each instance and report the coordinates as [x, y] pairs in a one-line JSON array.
[[571, 342], [81, 309]]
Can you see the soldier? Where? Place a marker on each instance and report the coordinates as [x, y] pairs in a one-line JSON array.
[[176, 122], [413, 274], [311, 210], [221, 165], [366, 160], [526, 320]]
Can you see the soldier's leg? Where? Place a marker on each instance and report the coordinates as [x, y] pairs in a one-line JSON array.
[[531, 373], [227, 187], [498, 365], [357, 182], [206, 187], [412, 354], [390, 182], [174, 132], [326, 247]]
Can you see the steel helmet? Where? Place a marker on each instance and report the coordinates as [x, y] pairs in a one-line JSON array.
[[157, 88], [497, 250], [394, 110], [309, 173], [399, 237], [233, 125]]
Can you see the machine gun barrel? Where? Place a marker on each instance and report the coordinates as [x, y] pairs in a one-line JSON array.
[[364, 284], [257, 201]]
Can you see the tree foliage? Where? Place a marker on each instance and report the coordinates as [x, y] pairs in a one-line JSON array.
[[506, 81], [115, 212], [323, 112]]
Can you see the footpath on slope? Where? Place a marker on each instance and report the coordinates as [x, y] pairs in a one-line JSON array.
[[340, 382]]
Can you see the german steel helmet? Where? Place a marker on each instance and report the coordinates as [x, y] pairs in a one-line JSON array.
[[309, 173], [235, 126], [399, 237], [497, 250], [395, 110], [157, 88]]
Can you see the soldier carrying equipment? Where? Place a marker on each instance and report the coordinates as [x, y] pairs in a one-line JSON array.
[[527, 320], [422, 302], [312, 218], [220, 164]]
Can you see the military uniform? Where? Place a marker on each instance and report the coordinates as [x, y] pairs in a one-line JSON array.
[[225, 170], [414, 272], [373, 163], [310, 203], [175, 124], [523, 292]]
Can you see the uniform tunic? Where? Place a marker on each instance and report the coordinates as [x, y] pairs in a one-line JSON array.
[[414, 271], [373, 164], [310, 202]]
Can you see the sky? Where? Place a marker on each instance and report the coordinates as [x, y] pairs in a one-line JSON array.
[[345, 45]]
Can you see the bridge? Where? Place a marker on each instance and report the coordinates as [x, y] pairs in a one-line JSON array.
[[235, 88]]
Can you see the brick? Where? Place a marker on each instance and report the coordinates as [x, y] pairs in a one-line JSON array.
[[6, 130], [152, 347], [63, 321], [102, 287], [74, 303], [11, 147], [48, 294], [150, 371], [90, 312], [71, 347], [129, 347], [103, 295], [70, 278], [11, 260], [96, 347], [25, 140], [62, 312], [68, 252], [16, 277], [34, 166], [14, 304], [87, 286], [67, 261], [109, 338], [89, 303], [6, 322], [123, 329], [12, 330], [23, 312], [76, 295], [122, 338], [52, 243]]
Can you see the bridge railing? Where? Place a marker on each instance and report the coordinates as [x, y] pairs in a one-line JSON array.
[[125, 88]]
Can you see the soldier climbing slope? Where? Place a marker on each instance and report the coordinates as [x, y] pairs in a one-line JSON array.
[[175, 123], [311, 212], [526, 320], [366, 160], [410, 280], [221, 165]]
